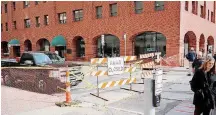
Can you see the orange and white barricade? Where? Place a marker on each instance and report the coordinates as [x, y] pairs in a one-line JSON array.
[[97, 73], [131, 69]]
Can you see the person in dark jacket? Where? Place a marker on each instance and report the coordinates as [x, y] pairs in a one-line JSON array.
[[197, 62], [203, 100], [191, 56]]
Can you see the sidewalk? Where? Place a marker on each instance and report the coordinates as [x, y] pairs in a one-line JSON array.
[[185, 108]]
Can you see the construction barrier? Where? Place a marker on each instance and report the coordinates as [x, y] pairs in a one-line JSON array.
[[156, 58], [132, 69], [116, 83], [100, 61]]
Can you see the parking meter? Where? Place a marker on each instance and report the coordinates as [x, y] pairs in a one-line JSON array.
[[157, 87]]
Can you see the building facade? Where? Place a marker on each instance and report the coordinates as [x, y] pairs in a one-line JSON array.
[[84, 30]]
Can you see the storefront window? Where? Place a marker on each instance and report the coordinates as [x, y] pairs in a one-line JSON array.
[[149, 42], [111, 47], [80, 47], [4, 48], [43, 45]]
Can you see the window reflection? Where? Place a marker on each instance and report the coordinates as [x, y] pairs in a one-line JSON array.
[[148, 42], [111, 47]]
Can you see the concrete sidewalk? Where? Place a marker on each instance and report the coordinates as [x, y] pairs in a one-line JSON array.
[[184, 108]]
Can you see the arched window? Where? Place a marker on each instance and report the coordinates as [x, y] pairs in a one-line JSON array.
[[28, 45], [148, 42], [80, 47], [43, 45], [111, 46]]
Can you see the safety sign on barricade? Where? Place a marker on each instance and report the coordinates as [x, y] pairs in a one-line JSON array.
[[114, 66]]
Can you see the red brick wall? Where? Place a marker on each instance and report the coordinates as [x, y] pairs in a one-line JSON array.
[[166, 22]]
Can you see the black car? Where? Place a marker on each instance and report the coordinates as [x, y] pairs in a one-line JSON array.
[[9, 63]]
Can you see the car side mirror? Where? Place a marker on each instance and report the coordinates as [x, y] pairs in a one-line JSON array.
[[28, 62]]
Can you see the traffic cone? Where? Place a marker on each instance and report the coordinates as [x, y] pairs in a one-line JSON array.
[[68, 94]]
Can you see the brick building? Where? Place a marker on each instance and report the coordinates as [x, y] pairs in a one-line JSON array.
[[83, 30]]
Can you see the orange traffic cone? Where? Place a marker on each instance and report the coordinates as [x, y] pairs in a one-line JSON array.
[[68, 94]]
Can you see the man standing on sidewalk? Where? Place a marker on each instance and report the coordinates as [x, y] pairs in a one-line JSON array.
[[191, 56]]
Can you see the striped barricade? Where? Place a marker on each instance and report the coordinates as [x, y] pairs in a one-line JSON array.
[[116, 83], [100, 61], [147, 74], [148, 65], [130, 58], [130, 69], [149, 55], [99, 73]]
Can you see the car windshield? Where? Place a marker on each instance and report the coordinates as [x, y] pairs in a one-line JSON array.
[[41, 59], [53, 56]]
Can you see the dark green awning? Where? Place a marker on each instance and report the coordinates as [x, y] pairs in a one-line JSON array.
[[14, 42], [58, 41]]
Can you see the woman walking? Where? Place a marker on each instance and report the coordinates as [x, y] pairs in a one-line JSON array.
[[203, 100]]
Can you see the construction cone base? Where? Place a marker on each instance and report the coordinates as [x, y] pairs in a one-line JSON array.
[[65, 104]]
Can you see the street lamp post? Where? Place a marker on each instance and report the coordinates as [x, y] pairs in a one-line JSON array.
[[102, 43], [154, 41], [125, 38]]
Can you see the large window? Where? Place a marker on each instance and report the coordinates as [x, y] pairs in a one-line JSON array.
[[6, 26], [138, 7], [14, 5], [212, 17], [80, 47], [78, 15], [27, 23], [148, 42], [14, 25], [5, 8], [113, 9], [26, 4], [111, 46], [202, 11], [99, 12], [194, 7], [186, 5], [46, 19], [4, 48], [159, 5], [62, 18], [37, 19]]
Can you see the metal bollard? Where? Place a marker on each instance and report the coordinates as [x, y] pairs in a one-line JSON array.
[[148, 96]]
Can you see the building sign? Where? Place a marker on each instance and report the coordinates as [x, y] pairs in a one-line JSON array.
[[150, 49], [158, 81], [115, 65]]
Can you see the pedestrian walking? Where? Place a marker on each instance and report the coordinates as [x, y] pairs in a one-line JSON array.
[[191, 56], [203, 99], [197, 62]]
